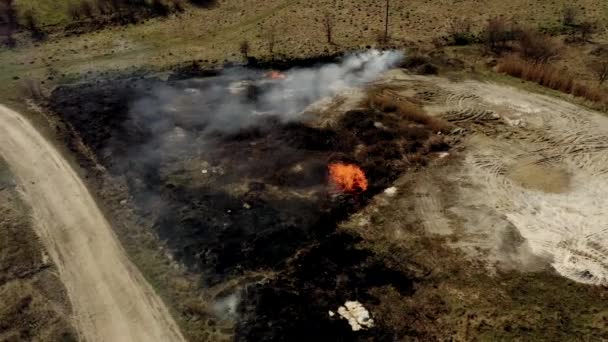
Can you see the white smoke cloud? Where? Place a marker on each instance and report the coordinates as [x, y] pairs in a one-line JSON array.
[[239, 97]]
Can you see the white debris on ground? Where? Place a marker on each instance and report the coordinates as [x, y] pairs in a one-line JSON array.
[[390, 191], [443, 155], [356, 315]]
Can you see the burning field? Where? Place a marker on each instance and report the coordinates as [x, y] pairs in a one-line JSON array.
[[246, 184]]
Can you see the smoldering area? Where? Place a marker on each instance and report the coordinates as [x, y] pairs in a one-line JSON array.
[[235, 178]]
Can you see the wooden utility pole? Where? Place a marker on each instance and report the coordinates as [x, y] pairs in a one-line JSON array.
[[386, 22]]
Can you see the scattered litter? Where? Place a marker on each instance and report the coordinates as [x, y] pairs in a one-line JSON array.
[[515, 122], [443, 155], [379, 125], [357, 316], [204, 172], [331, 313], [390, 191]]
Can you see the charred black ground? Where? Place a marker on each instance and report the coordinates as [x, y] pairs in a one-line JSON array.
[[255, 199]]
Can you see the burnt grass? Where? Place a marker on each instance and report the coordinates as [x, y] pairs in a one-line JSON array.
[[223, 234]]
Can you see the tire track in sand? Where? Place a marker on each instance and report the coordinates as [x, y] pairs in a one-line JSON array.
[[570, 227]]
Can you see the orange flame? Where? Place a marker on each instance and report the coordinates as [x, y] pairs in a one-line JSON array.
[[276, 75], [348, 177]]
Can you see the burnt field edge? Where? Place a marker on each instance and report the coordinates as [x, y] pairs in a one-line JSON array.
[[289, 269]]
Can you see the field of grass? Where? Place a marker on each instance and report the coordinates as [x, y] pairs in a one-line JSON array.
[[213, 35], [48, 12]]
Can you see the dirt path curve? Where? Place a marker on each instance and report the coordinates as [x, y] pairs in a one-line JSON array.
[[110, 298]]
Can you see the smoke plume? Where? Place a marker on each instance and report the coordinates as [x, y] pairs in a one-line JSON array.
[[239, 98]]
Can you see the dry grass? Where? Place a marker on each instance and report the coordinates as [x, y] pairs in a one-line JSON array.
[[378, 99], [551, 77]]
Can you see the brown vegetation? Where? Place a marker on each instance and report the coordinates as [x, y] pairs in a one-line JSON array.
[[461, 31], [498, 32], [599, 67], [244, 49], [551, 77], [537, 47], [8, 22], [125, 10], [382, 100]]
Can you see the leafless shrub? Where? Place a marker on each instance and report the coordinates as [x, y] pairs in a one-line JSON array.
[[82, 10], [498, 32], [407, 110], [244, 48], [599, 67], [8, 22], [461, 31], [381, 38], [569, 15], [271, 38], [537, 47], [30, 23], [586, 29]]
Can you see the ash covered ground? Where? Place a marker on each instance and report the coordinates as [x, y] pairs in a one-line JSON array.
[[234, 173]]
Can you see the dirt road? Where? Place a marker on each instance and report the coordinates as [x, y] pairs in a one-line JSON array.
[[530, 166], [110, 298]]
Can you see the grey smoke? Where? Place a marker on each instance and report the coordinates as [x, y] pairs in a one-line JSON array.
[[239, 97]]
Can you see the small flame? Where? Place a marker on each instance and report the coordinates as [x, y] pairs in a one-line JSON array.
[[348, 177], [276, 75]]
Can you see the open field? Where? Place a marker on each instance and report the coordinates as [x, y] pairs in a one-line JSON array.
[[491, 226], [212, 36]]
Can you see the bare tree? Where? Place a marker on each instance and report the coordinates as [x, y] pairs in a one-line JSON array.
[[461, 31], [271, 38], [496, 34], [386, 37], [569, 15], [30, 22], [537, 47], [8, 21], [586, 29], [244, 49], [599, 67], [328, 26]]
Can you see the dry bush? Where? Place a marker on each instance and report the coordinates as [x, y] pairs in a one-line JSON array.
[[30, 23], [551, 77], [461, 31], [569, 15], [271, 38], [381, 38], [409, 111], [82, 10], [244, 48], [537, 47], [498, 32], [8, 22], [599, 67]]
